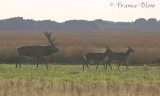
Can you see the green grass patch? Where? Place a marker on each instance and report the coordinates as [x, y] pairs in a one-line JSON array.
[[75, 74]]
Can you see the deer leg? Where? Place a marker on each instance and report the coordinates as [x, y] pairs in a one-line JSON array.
[[109, 61], [119, 64], [87, 65], [86, 62], [19, 61], [45, 62], [103, 64], [83, 65], [107, 64], [16, 63], [37, 61], [19, 64], [126, 65], [97, 65], [110, 66]]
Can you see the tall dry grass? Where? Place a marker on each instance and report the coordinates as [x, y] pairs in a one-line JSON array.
[[36, 88], [72, 44]]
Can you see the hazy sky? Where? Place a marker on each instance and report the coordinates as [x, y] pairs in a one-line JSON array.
[[62, 10]]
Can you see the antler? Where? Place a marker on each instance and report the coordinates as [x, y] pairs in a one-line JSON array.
[[48, 35]]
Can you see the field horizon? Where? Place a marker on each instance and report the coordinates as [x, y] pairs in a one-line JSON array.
[[71, 80]]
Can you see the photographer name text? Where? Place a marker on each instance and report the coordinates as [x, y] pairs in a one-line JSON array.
[[127, 5]]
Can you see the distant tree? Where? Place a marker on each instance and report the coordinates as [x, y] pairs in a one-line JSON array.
[[140, 24], [152, 24], [18, 23]]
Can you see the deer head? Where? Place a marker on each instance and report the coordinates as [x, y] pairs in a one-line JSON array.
[[108, 51], [51, 41], [130, 49]]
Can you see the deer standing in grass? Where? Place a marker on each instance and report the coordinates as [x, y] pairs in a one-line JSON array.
[[99, 57], [37, 51], [120, 56]]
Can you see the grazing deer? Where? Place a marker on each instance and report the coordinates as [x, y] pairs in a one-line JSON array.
[[119, 56], [95, 56], [37, 51]]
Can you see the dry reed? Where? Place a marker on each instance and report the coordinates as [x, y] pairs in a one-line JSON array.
[[72, 44], [36, 88]]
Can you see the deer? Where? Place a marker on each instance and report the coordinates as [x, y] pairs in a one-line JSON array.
[[38, 51], [120, 56], [96, 57]]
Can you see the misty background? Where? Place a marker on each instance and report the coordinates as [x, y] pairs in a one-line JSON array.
[[18, 23]]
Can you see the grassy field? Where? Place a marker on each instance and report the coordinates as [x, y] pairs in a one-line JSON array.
[[71, 80], [74, 73], [65, 76]]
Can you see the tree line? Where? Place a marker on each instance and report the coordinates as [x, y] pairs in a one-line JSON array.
[[18, 23]]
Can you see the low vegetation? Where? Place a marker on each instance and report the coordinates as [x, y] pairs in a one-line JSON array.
[[71, 80]]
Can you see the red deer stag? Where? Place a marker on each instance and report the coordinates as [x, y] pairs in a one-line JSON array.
[[37, 51], [96, 57], [119, 56]]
